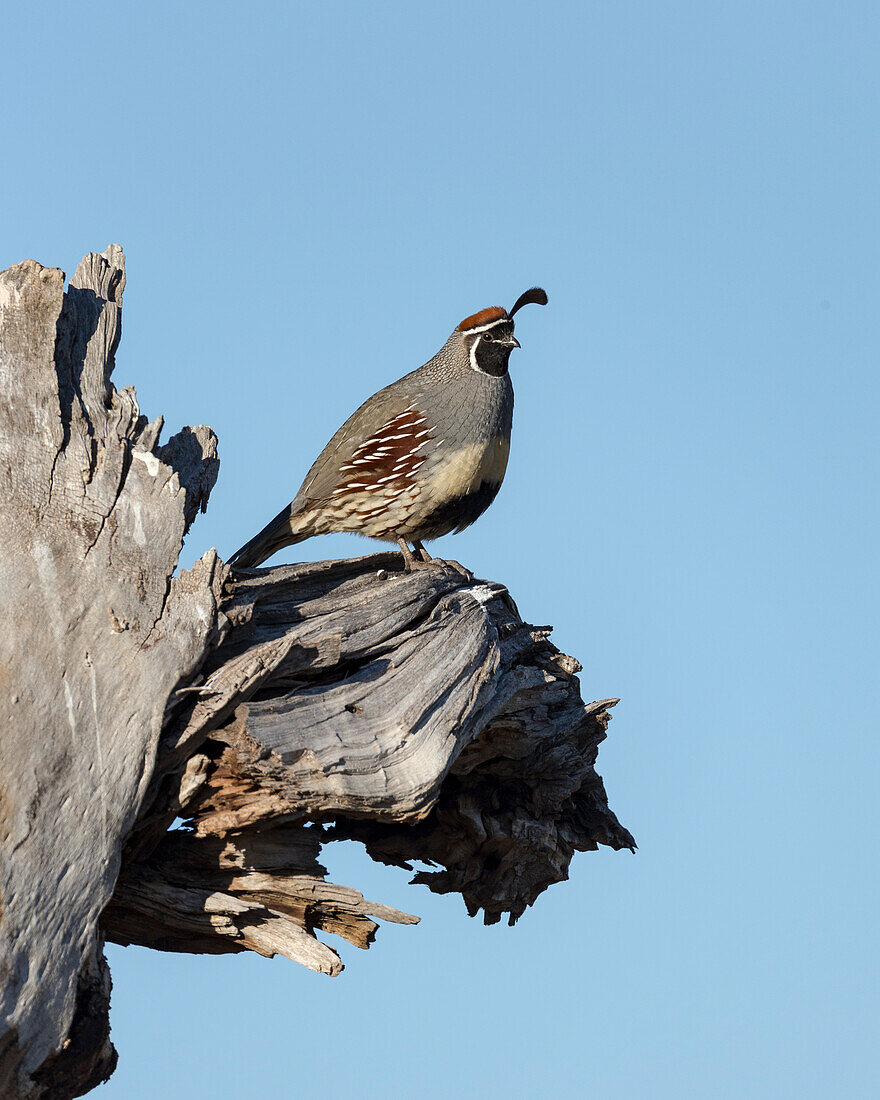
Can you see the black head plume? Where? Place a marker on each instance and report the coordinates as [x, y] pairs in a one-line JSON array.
[[535, 296]]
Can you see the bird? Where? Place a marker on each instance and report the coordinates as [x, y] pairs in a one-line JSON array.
[[421, 458]]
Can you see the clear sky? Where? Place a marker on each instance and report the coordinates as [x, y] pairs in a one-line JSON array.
[[310, 197]]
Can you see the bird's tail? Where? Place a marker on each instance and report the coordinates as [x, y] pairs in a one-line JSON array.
[[284, 530]]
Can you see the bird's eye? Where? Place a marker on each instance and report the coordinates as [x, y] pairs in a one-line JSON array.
[[488, 337]]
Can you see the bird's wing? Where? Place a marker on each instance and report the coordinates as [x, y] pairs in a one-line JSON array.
[[384, 439]]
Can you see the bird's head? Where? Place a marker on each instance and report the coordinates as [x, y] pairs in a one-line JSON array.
[[488, 337]]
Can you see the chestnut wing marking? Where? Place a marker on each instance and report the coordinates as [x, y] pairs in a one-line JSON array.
[[389, 459]]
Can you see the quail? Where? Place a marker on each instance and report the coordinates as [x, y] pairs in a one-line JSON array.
[[421, 458]]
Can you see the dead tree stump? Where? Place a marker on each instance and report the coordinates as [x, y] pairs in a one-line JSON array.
[[272, 710]]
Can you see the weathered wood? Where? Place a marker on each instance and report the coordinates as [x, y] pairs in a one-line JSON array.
[[263, 892], [95, 638], [273, 710], [416, 712]]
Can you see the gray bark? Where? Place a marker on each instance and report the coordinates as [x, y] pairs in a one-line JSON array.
[[274, 710]]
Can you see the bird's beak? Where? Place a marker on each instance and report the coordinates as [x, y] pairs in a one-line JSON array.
[[513, 342]]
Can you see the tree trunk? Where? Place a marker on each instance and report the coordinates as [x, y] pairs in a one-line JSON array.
[[273, 710]]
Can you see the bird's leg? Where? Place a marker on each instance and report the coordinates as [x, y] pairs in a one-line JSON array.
[[418, 560], [410, 561], [408, 558]]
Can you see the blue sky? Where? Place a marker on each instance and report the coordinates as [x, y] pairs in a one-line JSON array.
[[310, 198]]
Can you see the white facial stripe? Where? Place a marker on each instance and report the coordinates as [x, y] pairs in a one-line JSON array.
[[485, 328], [473, 355]]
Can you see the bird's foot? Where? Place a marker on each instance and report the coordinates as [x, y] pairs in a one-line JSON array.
[[420, 559], [456, 566], [410, 565], [438, 563], [442, 562]]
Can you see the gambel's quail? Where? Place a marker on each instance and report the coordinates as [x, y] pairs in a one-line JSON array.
[[420, 458]]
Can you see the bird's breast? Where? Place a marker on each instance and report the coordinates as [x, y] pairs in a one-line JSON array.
[[462, 471]]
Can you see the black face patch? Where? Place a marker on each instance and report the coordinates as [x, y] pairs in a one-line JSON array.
[[492, 349]]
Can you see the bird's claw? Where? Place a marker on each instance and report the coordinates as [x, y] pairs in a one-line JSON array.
[[456, 566]]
